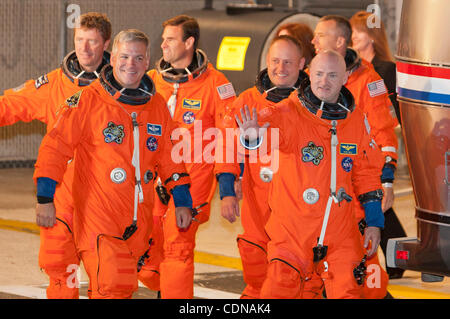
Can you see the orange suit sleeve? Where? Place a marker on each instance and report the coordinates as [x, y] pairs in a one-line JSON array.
[[58, 145], [223, 98], [367, 166], [380, 113], [26, 102]]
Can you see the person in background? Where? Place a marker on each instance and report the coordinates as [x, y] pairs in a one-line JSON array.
[[303, 34], [41, 100], [372, 45]]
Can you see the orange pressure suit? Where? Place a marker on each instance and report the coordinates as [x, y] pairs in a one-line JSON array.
[[255, 210], [372, 98], [118, 138], [197, 101], [311, 227], [40, 100]]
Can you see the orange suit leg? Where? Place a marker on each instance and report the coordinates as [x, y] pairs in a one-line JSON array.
[[283, 281], [111, 268], [177, 268], [252, 244], [150, 273], [313, 287], [59, 259], [340, 282], [254, 266]]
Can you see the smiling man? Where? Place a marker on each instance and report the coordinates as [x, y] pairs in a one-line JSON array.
[[129, 63], [334, 32], [104, 127], [197, 96], [311, 228], [89, 47], [283, 75]]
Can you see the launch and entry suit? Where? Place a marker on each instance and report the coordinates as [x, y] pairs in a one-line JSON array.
[[255, 210], [371, 96], [41, 100], [197, 99], [311, 226], [118, 136]]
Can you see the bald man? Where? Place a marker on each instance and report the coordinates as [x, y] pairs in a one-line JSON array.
[[334, 32], [311, 228]]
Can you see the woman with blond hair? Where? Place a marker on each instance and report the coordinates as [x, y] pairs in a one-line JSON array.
[[372, 45]]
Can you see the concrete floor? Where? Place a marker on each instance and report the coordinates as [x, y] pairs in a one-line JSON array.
[[218, 274]]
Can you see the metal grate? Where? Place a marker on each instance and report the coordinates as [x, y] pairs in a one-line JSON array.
[[33, 44]]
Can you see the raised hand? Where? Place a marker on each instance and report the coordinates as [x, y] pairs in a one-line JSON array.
[[249, 127]]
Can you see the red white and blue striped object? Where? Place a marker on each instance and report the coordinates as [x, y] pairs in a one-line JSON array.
[[423, 83]]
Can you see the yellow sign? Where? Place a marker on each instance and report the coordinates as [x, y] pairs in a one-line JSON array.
[[231, 55]]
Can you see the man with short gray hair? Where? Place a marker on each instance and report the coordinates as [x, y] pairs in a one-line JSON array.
[[118, 130]]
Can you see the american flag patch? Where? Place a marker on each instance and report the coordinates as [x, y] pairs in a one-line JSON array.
[[376, 88], [226, 91]]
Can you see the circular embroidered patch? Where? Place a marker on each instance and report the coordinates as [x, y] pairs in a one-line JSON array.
[[347, 164], [152, 143], [189, 117]]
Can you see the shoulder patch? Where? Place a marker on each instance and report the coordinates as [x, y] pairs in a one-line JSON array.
[[40, 81], [376, 88], [226, 91]]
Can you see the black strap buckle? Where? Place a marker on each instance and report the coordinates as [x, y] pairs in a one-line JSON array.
[[129, 231], [360, 271]]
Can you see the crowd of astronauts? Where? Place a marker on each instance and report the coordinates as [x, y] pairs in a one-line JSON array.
[[110, 193]]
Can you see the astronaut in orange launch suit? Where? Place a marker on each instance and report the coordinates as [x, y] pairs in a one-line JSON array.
[[311, 227], [119, 131], [40, 100]]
